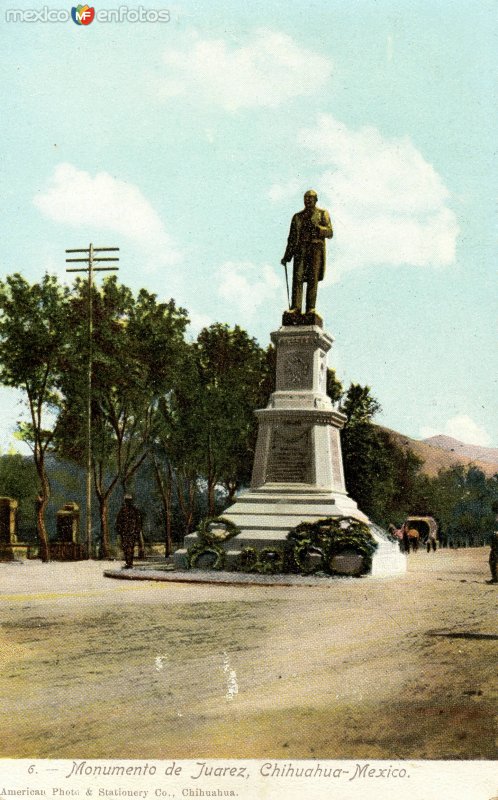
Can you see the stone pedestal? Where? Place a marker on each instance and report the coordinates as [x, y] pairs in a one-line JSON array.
[[9, 546], [66, 546], [68, 523], [298, 471]]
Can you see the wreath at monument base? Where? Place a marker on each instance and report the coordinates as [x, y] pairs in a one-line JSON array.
[[195, 553], [311, 547], [315, 545], [212, 532], [267, 561]]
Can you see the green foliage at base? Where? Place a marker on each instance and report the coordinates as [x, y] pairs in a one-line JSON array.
[[328, 538], [212, 532], [195, 552], [268, 561], [310, 547]]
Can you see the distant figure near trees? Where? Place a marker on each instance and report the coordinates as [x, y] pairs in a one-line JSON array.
[[405, 538], [431, 540], [306, 245], [493, 558], [128, 528]]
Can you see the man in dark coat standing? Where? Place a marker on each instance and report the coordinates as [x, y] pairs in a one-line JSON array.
[[128, 528], [306, 245], [493, 558]]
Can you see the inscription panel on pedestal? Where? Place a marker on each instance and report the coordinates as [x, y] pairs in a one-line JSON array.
[[295, 371], [289, 458], [336, 458]]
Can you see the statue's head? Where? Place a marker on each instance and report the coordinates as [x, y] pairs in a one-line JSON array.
[[310, 198]]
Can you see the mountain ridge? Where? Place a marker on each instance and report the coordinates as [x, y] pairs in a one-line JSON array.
[[442, 452]]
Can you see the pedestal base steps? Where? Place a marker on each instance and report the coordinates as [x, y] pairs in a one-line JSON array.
[[265, 517]]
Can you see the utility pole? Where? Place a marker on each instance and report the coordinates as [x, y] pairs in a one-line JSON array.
[[89, 260]]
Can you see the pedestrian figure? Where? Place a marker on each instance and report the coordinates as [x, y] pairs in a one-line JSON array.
[[431, 540], [128, 528], [405, 538], [397, 533], [493, 558]]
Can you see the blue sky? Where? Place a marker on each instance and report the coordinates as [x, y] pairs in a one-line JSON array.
[[189, 144]]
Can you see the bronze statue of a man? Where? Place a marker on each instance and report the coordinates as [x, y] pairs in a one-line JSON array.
[[306, 245]]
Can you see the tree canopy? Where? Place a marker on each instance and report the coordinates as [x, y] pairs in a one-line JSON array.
[[33, 336]]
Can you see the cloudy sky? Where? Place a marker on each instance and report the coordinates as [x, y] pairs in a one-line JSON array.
[[189, 144]]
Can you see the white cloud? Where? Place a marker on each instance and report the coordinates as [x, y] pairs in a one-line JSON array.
[[388, 204], [247, 286], [461, 427], [73, 197], [198, 321], [285, 191], [268, 70]]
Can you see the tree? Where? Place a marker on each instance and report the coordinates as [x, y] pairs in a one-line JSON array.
[[18, 479], [334, 386], [462, 498], [363, 454], [33, 336], [232, 382], [384, 479], [135, 351], [206, 428]]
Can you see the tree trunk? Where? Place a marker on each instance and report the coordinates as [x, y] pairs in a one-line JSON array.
[[211, 480], [187, 506], [211, 499], [166, 493], [168, 539], [41, 507], [105, 550], [103, 497]]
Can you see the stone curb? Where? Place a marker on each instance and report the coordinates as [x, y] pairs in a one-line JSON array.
[[226, 578]]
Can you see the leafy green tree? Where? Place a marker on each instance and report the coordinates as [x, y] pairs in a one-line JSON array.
[[403, 490], [135, 350], [19, 479], [384, 479], [232, 382], [334, 386], [174, 451], [33, 335], [206, 427], [365, 464], [462, 498]]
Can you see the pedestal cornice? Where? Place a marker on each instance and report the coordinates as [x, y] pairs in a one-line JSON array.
[[310, 335], [313, 416]]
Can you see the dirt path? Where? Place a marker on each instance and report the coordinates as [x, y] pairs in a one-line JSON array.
[[398, 668]]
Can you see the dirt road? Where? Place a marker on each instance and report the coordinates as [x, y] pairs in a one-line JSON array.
[[390, 668]]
